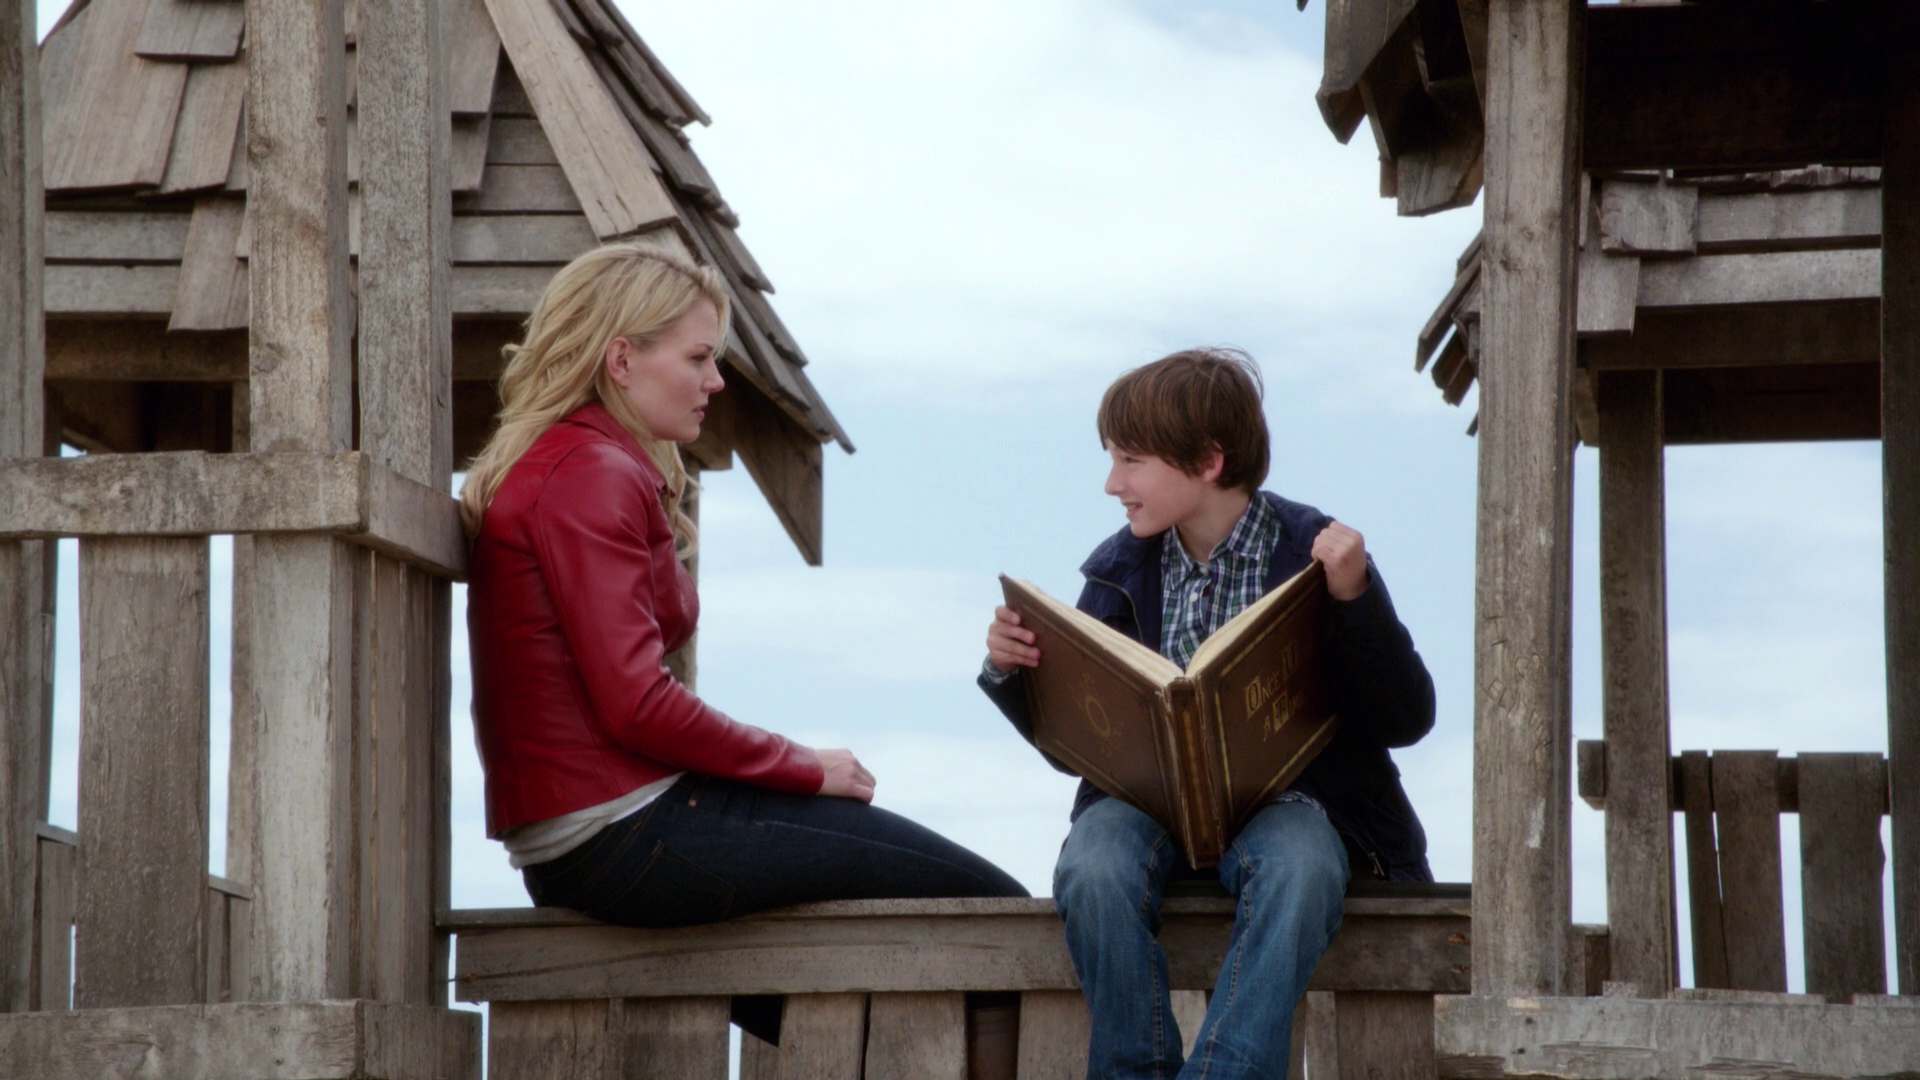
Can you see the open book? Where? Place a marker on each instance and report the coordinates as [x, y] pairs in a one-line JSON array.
[[1200, 750]]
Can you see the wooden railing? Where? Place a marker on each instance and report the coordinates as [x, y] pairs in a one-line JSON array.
[[919, 988], [1732, 802]]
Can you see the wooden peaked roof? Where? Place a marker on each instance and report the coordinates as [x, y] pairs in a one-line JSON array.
[[566, 132]]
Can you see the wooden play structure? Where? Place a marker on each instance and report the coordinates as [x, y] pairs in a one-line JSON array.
[[258, 257], [1702, 226]]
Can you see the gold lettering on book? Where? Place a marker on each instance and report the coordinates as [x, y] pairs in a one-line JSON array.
[[1277, 715], [1091, 708]]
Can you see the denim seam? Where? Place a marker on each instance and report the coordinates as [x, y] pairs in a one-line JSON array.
[[1155, 988], [1244, 903]]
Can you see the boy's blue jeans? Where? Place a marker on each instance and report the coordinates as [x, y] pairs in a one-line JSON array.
[[1287, 872]]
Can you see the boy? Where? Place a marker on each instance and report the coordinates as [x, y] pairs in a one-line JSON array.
[[1189, 448]]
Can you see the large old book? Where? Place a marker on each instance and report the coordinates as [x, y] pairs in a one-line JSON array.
[[1200, 750]]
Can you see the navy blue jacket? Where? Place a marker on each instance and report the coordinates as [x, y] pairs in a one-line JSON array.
[[1383, 692]]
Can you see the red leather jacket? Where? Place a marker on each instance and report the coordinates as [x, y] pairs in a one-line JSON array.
[[574, 597]]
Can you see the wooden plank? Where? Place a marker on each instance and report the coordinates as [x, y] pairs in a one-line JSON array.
[[517, 141], [520, 189], [1768, 277], [473, 57], [1618, 1038], [993, 1041], [822, 1037], [509, 96], [208, 128], [1633, 623], [493, 291], [191, 30], [141, 351], [1900, 483], [671, 1038], [1054, 1030], [1012, 945], [916, 1037], [143, 771], [211, 291], [1385, 1036], [439, 779], [547, 239], [405, 345], [1648, 217], [111, 291], [1522, 726], [1749, 335], [191, 493], [1841, 868], [551, 1040], [1777, 403], [784, 462], [1731, 89], [1316, 1038], [1703, 872], [117, 124], [53, 928], [609, 169], [1747, 821], [1772, 220], [115, 237], [467, 154]]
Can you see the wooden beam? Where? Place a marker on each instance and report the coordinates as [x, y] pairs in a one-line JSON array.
[[116, 236], [143, 771], [1900, 476], [1742, 335], [1522, 723], [1842, 871], [1620, 1038], [1633, 625], [1648, 217], [914, 946], [329, 1040], [1775, 220], [25, 585], [1783, 403], [1593, 783], [192, 493], [785, 462], [1731, 86], [1772, 277]]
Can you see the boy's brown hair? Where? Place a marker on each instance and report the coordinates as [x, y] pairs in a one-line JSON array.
[[1183, 407]]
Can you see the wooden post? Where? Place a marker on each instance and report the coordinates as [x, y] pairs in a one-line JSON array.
[[1900, 472], [1522, 727], [142, 867], [23, 584], [1633, 627], [299, 370]]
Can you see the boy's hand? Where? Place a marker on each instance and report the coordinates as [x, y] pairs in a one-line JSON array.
[[1009, 645], [1344, 553]]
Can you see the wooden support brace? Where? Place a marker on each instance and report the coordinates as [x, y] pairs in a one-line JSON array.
[[193, 493]]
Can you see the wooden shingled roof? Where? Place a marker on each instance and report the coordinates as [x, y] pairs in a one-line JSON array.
[[566, 131]]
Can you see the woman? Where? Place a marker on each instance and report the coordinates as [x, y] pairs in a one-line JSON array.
[[616, 791]]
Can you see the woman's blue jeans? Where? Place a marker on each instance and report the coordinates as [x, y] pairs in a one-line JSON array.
[[710, 849], [1287, 872]]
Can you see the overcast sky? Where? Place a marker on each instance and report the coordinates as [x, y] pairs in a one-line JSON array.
[[976, 216]]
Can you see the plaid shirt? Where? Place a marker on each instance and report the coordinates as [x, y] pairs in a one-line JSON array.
[[1196, 600]]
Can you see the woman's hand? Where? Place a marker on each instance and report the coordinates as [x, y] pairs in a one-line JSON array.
[[846, 778], [1010, 645]]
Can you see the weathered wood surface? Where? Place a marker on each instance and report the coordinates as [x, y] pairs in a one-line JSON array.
[[916, 1037], [1900, 479], [609, 169], [1822, 217], [1774, 403], [330, 1040], [191, 30], [472, 56], [1703, 872], [1657, 218], [1831, 332], [1842, 868], [1633, 625], [1609, 286], [1768, 277], [1384, 1036], [785, 462], [1786, 779], [143, 771], [194, 493], [405, 357], [1522, 711], [111, 290], [141, 351], [530, 238], [207, 129], [115, 236], [53, 902], [822, 1037], [521, 189], [1316, 1038], [1054, 1028], [609, 1039], [905, 946], [115, 125], [1745, 798], [25, 583], [1482, 1038], [212, 290]]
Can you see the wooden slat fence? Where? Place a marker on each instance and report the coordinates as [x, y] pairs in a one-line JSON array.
[[1731, 802]]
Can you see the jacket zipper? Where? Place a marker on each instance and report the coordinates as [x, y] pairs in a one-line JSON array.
[[1125, 595]]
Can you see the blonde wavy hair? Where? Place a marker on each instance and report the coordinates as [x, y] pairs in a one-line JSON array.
[[621, 290]]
